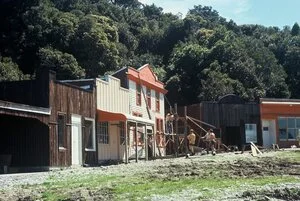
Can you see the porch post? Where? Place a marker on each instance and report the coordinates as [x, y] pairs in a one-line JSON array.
[[126, 142], [136, 143], [146, 143]]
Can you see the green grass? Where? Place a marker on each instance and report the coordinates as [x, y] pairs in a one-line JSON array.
[[57, 190], [133, 188], [144, 186], [291, 156]]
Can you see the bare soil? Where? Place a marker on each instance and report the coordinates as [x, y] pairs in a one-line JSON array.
[[226, 165]]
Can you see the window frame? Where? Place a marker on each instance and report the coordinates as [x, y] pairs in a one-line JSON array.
[[283, 129], [157, 101], [61, 140], [138, 94], [103, 132], [93, 137], [148, 93]]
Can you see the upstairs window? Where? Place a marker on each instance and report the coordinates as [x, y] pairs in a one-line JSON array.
[[138, 95], [149, 98], [61, 130], [157, 102]]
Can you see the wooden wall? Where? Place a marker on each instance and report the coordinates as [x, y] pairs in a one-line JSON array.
[[34, 139], [29, 92], [229, 116], [68, 100]]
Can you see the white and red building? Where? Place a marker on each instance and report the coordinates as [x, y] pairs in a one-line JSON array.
[[146, 101], [130, 111]]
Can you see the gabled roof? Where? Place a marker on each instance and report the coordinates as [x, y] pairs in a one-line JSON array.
[[145, 76]]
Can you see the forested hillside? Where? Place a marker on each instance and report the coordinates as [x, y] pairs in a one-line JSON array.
[[199, 57]]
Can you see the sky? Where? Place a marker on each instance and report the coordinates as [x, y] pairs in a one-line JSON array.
[[264, 12]]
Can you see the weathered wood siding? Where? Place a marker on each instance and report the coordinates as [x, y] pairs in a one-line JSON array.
[[229, 114], [68, 100]]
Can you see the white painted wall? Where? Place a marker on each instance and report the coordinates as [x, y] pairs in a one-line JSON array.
[[110, 151], [111, 97], [143, 108]]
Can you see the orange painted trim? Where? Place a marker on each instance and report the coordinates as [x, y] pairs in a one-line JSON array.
[[147, 84], [110, 116], [275, 110]]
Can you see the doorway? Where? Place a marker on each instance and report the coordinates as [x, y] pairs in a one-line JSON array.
[[269, 133], [232, 136], [76, 140]]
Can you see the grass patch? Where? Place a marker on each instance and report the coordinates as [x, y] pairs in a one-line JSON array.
[[206, 186], [58, 190], [291, 156]]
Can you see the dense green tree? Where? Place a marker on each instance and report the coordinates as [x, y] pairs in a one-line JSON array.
[[64, 64], [9, 70], [295, 29], [95, 45], [199, 57]]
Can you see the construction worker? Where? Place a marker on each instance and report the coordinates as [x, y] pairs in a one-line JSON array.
[[210, 141], [169, 123], [191, 140]]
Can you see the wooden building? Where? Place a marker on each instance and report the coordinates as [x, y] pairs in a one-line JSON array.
[[130, 109], [146, 101], [46, 123], [236, 122], [280, 121]]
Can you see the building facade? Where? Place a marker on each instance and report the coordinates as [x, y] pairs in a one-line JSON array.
[[146, 94], [130, 110], [280, 122], [47, 123]]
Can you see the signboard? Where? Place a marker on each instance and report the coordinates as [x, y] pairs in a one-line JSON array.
[[251, 133]]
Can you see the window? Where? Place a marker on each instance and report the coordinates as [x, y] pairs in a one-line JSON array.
[[89, 133], [61, 130], [159, 125], [251, 134], [288, 128], [157, 101], [149, 98], [122, 133], [102, 133], [138, 95]]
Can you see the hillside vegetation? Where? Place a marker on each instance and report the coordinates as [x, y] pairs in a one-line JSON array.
[[201, 56]]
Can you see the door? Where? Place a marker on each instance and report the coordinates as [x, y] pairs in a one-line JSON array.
[[269, 133], [76, 140]]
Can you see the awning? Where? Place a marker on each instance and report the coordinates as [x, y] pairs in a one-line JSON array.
[[24, 108], [113, 116]]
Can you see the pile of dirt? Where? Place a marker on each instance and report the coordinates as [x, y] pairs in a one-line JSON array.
[[228, 169], [291, 194]]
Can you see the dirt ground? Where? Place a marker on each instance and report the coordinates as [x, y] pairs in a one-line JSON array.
[[227, 165]]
